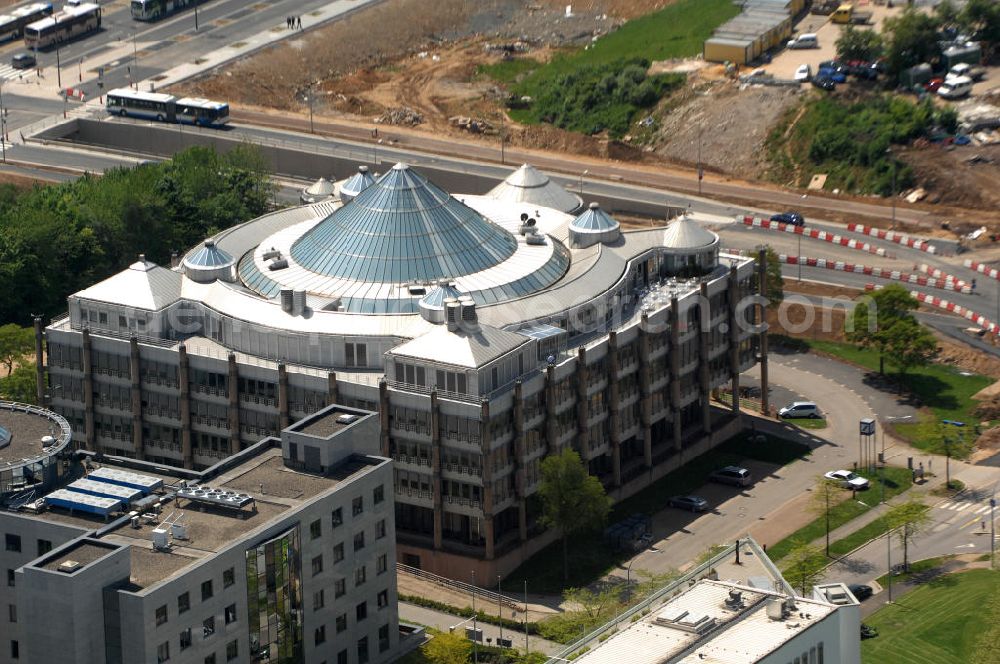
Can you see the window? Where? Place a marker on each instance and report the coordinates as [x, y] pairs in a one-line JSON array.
[[13, 543], [44, 546], [208, 626], [379, 494], [381, 564], [317, 565], [186, 639], [380, 529], [383, 638], [383, 599], [363, 650], [356, 355], [337, 517], [360, 576], [319, 636], [12, 612], [230, 614], [339, 588], [161, 615], [361, 611], [10, 577], [228, 577], [210, 659], [341, 623], [15, 650], [338, 552], [315, 529], [102, 317], [318, 600], [342, 657], [163, 652], [183, 602], [359, 541], [232, 651], [206, 590], [358, 506]]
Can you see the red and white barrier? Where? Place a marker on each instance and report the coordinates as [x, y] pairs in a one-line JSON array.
[[881, 273], [990, 272], [893, 236], [823, 236], [73, 93], [951, 281], [957, 309]]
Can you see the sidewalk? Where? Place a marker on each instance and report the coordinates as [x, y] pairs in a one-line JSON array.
[[445, 621]]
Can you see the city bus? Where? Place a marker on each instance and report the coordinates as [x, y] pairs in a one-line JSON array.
[[167, 108], [12, 24], [150, 10], [63, 26]]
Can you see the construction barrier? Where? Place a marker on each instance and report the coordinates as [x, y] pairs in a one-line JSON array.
[[957, 309], [882, 273], [990, 272], [73, 93], [954, 283], [814, 234], [893, 236]]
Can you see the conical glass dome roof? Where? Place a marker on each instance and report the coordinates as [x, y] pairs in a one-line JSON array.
[[355, 184], [403, 229], [594, 220], [209, 256]]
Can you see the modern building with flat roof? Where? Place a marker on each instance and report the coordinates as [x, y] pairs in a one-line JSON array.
[[282, 552], [486, 331]]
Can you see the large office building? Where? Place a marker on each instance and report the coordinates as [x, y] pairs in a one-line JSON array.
[[282, 553], [486, 331]]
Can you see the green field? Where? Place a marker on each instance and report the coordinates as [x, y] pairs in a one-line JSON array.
[[948, 621], [804, 423]]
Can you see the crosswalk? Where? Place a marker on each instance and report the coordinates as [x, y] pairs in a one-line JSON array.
[[968, 507], [8, 73]]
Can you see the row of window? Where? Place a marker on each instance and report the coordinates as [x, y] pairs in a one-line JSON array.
[[319, 638], [207, 592]]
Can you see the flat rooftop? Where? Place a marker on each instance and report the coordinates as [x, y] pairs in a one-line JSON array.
[[325, 424], [84, 552], [26, 431]]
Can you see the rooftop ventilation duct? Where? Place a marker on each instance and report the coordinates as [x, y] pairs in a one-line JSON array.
[[470, 321], [298, 302], [286, 300], [452, 311]]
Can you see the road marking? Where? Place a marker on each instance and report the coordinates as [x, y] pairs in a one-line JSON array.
[[983, 510], [8, 73], [969, 522]]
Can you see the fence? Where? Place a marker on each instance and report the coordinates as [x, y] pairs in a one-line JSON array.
[[460, 586], [823, 236]]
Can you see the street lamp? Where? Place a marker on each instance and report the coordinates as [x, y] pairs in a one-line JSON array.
[[888, 152], [582, 175], [475, 626], [309, 98], [3, 126]]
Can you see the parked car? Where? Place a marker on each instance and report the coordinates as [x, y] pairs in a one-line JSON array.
[[864, 70], [837, 75], [860, 591], [803, 73], [733, 475], [807, 40], [955, 88], [868, 632], [798, 409], [23, 61], [933, 84], [692, 503], [974, 72], [793, 218], [823, 82], [847, 480]]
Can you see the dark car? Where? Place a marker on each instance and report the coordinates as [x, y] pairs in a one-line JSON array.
[[864, 70], [823, 82], [838, 75], [733, 475], [860, 591], [792, 218], [692, 503], [23, 61]]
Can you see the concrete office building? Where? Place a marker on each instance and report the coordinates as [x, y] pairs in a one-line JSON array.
[[487, 332], [284, 552]]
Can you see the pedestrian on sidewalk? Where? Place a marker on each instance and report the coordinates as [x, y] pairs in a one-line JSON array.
[[300, 22]]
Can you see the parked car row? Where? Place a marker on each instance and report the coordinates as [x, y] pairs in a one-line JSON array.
[[731, 475]]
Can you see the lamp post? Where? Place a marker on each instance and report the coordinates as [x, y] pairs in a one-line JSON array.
[[309, 98], [3, 126], [582, 175], [993, 536], [701, 172], [888, 560], [196, 16], [475, 627], [798, 258], [888, 152], [58, 69]]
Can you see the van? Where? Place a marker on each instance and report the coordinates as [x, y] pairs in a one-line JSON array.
[[954, 88], [807, 40]]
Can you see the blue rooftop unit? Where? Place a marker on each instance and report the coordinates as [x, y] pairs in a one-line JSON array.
[[105, 489], [144, 483], [82, 502]]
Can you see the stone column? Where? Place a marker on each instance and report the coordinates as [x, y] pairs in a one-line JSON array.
[[646, 390], [614, 414], [734, 338], [675, 370], [582, 444], [39, 363], [184, 388], [383, 417], [520, 461], [765, 405], [138, 444], [488, 498], [436, 464], [331, 388], [88, 394], [233, 389], [283, 415], [704, 368]]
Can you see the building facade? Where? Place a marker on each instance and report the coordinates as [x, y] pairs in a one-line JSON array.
[[298, 567], [486, 332]]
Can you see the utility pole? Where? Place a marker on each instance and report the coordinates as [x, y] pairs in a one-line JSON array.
[[312, 129], [499, 611], [196, 16], [475, 624], [526, 618], [798, 259], [701, 172], [888, 549], [3, 126], [993, 535], [58, 69]]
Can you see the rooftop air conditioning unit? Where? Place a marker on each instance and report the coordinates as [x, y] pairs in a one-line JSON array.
[[347, 418], [69, 566]]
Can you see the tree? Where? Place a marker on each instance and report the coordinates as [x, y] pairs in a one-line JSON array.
[[803, 565], [982, 18], [911, 38], [859, 44], [447, 648], [826, 494], [19, 385], [772, 278], [908, 520], [947, 14], [572, 499], [15, 343], [909, 344], [594, 604], [875, 314]]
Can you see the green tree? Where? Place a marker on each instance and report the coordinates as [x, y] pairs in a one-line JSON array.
[[804, 565], [826, 495], [16, 342], [447, 648], [908, 520], [859, 44], [875, 314], [911, 38], [947, 14], [594, 604], [773, 280], [19, 385], [982, 18], [572, 500], [909, 344]]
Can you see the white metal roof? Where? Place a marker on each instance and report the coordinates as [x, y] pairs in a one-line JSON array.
[[144, 285], [321, 187], [684, 233], [462, 347], [529, 185]]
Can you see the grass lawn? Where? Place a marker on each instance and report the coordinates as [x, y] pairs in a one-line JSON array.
[[918, 567], [944, 390], [941, 622], [803, 423], [543, 571], [895, 480]]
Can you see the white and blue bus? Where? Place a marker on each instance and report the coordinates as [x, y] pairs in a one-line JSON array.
[[150, 10], [70, 23], [167, 108], [12, 25]]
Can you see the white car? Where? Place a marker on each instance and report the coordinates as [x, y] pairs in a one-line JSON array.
[[800, 409], [847, 479], [803, 73]]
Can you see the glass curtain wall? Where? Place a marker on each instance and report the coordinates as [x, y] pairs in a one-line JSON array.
[[274, 599]]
